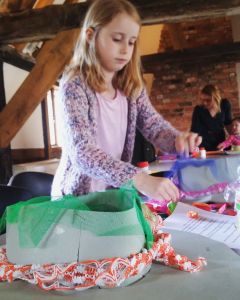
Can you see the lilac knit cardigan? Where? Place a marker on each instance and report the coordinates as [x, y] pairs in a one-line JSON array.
[[81, 159]]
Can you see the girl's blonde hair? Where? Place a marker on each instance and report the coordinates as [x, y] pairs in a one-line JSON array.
[[213, 91], [85, 61]]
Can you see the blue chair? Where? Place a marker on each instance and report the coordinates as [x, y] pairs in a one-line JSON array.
[[38, 183], [10, 195]]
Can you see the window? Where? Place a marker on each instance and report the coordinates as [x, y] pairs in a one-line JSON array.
[[54, 117]]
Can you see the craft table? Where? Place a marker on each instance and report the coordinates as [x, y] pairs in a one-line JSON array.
[[160, 166], [219, 280]]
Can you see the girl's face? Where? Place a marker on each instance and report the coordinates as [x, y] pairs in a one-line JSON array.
[[236, 127], [207, 101], [115, 43]]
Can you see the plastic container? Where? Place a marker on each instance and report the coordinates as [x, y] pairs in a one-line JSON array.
[[232, 195], [235, 148], [202, 153]]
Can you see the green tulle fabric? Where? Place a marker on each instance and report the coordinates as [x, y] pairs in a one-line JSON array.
[[102, 213]]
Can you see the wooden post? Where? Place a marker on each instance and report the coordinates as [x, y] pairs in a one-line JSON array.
[[5, 153], [51, 61]]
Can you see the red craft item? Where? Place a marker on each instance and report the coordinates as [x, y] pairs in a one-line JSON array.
[[143, 164], [192, 214], [203, 206]]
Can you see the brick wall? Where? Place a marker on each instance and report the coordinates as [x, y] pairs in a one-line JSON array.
[[175, 88]]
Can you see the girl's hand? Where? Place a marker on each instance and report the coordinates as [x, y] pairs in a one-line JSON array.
[[158, 188], [187, 142]]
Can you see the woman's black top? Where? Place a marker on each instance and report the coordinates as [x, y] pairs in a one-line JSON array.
[[211, 128]]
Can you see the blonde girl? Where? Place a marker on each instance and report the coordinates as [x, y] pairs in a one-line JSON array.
[[103, 100]]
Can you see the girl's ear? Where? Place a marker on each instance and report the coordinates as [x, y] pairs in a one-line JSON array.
[[89, 34]]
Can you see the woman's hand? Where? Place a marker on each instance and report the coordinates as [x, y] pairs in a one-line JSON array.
[[221, 146], [187, 142], [158, 188]]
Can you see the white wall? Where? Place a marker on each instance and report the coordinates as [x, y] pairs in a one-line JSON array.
[[31, 134]]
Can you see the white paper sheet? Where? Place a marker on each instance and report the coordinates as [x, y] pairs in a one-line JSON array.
[[215, 226]]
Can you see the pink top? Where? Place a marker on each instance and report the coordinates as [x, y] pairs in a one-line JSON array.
[[111, 130], [231, 140]]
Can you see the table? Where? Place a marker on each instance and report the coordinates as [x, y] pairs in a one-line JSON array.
[[219, 280], [160, 166]]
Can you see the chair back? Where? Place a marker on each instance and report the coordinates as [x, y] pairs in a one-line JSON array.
[[38, 183], [10, 195]]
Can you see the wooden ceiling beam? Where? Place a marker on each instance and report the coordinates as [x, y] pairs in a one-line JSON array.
[[40, 24], [42, 3], [213, 54], [11, 56], [44, 23], [38, 4], [15, 5]]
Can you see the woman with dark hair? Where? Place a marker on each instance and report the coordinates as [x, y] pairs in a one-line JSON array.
[[210, 117]]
